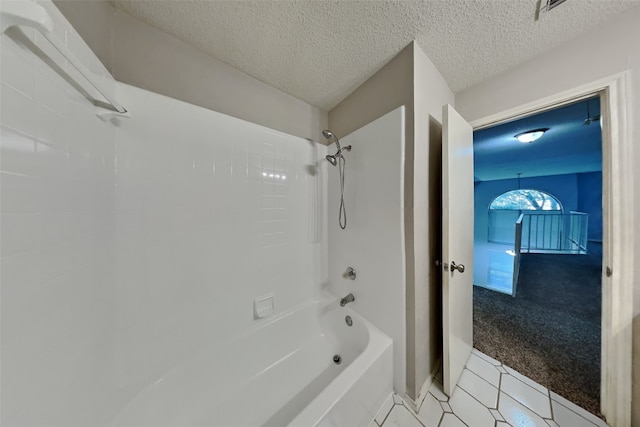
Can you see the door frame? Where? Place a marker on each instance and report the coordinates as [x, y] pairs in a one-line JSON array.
[[618, 231]]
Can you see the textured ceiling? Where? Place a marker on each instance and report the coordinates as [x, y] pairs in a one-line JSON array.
[[569, 146], [320, 51]]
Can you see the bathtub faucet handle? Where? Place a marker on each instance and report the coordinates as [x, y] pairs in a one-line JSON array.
[[349, 273], [346, 300]]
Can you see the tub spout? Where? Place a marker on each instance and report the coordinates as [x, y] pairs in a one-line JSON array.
[[346, 300]]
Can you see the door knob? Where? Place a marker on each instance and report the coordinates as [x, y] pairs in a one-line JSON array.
[[459, 267]]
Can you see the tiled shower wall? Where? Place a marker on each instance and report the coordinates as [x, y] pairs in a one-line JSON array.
[[57, 240], [128, 245], [212, 212]]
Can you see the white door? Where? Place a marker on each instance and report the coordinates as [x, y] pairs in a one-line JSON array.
[[457, 245]]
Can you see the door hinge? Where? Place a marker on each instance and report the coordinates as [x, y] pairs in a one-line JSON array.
[[608, 271]]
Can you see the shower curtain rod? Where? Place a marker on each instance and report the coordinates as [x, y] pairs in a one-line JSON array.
[[29, 14]]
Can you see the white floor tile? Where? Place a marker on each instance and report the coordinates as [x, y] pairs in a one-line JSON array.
[[527, 380], [518, 415], [527, 395], [578, 410], [401, 417], [436, 391], [450, 420], [486, 357], [484, 369], [496, 414], [430, 412], [384, 409], [469, 410], [479, 388], [565, 417], [397, 399], [484, 385]]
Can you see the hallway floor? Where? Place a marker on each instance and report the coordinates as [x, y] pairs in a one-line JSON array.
[[488, 394]]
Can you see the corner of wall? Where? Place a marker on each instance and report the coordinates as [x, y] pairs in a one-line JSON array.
[[387, 89], [143, 56], [431, 92], [93, 20]]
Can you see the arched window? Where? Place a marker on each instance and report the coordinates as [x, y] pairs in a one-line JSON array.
[[525, 200], [505, 209]]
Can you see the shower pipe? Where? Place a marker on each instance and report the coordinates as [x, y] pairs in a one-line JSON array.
[[339, 160]]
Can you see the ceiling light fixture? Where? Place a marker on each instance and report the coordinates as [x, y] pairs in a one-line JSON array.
[[530, 135]]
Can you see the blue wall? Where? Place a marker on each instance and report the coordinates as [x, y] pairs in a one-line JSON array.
[[577, 192], [590, 201], [563, 187], [580, 192]]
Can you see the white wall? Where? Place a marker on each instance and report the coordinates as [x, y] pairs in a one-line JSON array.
[[141, 55], [373, 241], [201, 231], [608, 49], [57, 239]]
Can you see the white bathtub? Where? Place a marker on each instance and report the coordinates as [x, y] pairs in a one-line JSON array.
[[279, 374]]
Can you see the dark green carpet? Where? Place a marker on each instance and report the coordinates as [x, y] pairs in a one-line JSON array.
[[551, 331]]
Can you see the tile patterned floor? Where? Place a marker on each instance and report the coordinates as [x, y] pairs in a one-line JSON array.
[[488, 394]]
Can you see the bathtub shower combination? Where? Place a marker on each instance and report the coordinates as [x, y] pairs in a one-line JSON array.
[[302, 368], [163, 264]]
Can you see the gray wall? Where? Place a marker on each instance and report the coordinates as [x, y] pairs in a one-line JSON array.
[[388, 89], [141, 55], [431, 92], [608, 49], [412, 80]]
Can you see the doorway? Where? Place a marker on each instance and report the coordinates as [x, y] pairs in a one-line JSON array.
[[537, 247], [618, 231]]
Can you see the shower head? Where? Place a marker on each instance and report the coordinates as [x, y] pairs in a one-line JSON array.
[[334, 159], [329, 135]]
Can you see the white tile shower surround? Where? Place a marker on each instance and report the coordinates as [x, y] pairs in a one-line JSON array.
[[488, 395], [56, 204], [116, 235]]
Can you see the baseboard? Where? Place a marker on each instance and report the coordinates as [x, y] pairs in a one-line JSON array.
[[416, 404]]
